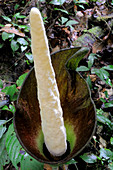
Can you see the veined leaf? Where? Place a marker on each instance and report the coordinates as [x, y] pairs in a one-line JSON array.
[[13, 147], [109, 67], [2, 130], [1, 167], [4, 159], [106, 153], [30, 163], [89, 158], [14, 45], [104, 120]]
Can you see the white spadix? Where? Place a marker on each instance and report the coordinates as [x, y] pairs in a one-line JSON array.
[[48, 94]]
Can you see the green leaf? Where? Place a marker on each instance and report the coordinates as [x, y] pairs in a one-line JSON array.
[[62, 10], [111, 140], [1, 45], [63, 20], [10, 90], [25, 27], [2, 122], [88, 79], [6, 35], [29, 56], [106, 94], [2, 130], [13, 147], [11, 108], [91, 60], [20, 80], [30, 163], [57, 2], [71, 22], [22, 41], [106, 153], [23, 48], [1, 167], [103, 100], [14, 45], [4, 159], [103, 75], [72, 161], [104, 120], [110, 166], [1, 84], [82, 68], [106, 105], [6, 18], [17, 15], [109, 67], [89, 158]]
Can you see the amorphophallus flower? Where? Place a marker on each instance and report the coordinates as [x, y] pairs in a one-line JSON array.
[[48, 94], [39, 108]]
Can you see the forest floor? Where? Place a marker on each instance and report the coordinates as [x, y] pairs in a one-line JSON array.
[[88, 24]]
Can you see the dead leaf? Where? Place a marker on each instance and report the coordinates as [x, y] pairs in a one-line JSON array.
[[9, 29], [102, 143], [57, 48], [47, 167], [93, 78]]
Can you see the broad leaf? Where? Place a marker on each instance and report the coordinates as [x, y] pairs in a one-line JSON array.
[[82, 68], [13, 147], [11, 108], [14, 45], [2, 130], [71, 22], [6, 35], [104, 120], [30, 163], [10, 90], [6, 18], [29, 56], [22, 41], [72, 161], [4, 159], [109, 67], [106, 153], [57, 2], [110, 166], [21, 79], [1, 167], [89, 158]]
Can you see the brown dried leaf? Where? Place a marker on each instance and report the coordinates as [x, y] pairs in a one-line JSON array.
[[9, 29]]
